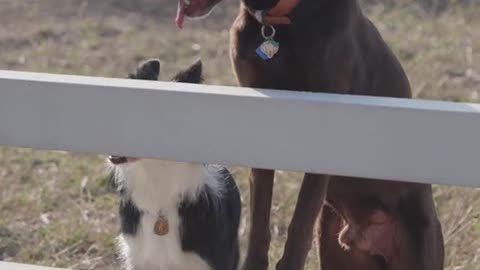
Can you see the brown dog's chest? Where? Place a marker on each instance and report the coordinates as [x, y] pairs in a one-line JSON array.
[[302, 62]]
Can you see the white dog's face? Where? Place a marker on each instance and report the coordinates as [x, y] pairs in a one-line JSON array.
[[150, 70]]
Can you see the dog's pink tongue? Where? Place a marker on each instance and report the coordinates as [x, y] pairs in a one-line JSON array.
[[180, 14]]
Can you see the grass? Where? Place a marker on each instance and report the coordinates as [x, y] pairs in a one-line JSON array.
[[56, 208]]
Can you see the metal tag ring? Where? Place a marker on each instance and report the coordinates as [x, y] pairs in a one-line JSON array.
[[265, 35]]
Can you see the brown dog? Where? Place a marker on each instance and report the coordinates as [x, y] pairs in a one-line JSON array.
[[329, 46]]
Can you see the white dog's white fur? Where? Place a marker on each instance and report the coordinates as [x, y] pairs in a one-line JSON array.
[[156, 187]]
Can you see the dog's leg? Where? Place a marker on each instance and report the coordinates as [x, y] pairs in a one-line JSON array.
[[300, 231], [261, 185]]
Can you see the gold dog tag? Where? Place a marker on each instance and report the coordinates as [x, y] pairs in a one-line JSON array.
[[161, 226]]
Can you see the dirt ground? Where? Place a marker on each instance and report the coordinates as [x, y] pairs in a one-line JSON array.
[[56, 208]]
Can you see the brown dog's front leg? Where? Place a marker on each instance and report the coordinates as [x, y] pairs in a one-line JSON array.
[[300, 231], [261, 185]]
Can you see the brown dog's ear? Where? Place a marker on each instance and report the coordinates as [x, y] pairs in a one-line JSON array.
[[148, 70], [193, 74]]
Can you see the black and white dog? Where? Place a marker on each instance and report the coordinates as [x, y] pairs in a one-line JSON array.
[[176, 215]]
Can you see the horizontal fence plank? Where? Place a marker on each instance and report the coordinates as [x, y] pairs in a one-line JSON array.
[[372, 137], [17, 266]]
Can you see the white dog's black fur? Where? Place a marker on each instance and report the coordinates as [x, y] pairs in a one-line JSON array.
[[201, 203]]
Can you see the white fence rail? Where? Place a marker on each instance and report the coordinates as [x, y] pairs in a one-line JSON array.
[[410, 140], [16, 266]]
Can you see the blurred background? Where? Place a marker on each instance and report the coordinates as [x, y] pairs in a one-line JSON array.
[[57, 209]]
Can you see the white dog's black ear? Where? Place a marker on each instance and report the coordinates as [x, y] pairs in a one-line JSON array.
[[148, 70], [193, 74]]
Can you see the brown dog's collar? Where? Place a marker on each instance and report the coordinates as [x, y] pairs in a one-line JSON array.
[[277, 15]]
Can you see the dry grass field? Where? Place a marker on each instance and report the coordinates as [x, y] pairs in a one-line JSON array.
[[56, 208]]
